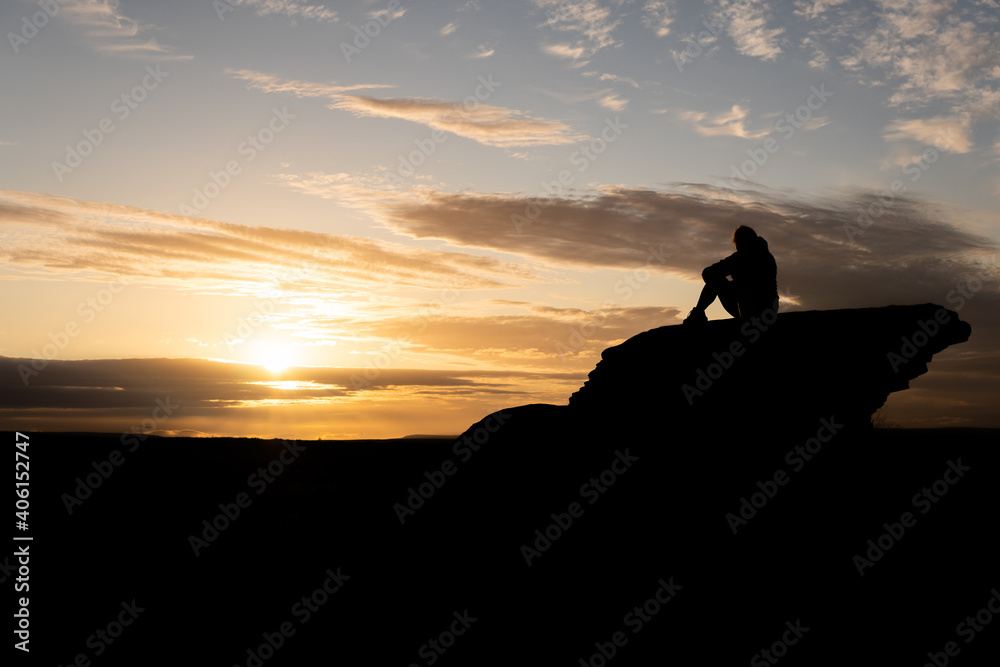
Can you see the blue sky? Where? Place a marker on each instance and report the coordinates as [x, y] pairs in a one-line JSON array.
[[271, 151]]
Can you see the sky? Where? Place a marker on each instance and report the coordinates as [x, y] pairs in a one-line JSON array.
[[279, 218]]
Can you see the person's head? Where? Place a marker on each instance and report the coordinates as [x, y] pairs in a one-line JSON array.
[[744, 237]]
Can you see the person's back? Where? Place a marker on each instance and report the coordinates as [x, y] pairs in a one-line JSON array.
[[756, 278]]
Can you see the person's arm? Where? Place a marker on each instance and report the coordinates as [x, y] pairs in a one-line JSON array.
[[719, 270]]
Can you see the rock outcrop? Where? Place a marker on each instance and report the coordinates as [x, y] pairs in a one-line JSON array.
[[730, 470], [787, 370]]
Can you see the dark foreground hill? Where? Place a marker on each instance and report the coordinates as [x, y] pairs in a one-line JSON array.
[[632, 526]]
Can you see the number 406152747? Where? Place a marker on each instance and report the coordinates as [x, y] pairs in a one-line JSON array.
[[21, 475]]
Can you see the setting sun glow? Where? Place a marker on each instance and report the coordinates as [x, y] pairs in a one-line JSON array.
[[275, 357]]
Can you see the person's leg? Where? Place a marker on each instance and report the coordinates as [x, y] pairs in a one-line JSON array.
[[708, 294], [725, 290], [728, 298]]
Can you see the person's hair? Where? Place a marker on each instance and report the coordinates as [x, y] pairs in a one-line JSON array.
[[743, 236]]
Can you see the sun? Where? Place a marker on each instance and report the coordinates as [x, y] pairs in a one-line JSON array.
[[275, 357]]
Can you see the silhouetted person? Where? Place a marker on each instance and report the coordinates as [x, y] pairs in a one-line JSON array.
[[754, 286]]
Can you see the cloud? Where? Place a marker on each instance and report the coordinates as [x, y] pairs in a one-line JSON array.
[[588, 18], [565, 51], [911, 253], [746, 23], [730, 123], [488, 124], [929, 52], [613, 103], [622, 79], [949, 134], [483, 51], [204, 383], [526, 335], [820, 58], [815, 123], [272, 84], [387, 15], [111, 32], [811, 9], [59, 238], [289, 8], [657, 15], [206, 396], [448, 29], [613, 77]]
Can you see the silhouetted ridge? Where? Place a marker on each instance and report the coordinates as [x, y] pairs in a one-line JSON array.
[[797, 366]]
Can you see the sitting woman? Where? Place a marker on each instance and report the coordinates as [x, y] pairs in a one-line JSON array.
[[753, 288]]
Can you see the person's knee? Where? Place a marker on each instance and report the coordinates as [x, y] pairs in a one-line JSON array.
[[712, 279]]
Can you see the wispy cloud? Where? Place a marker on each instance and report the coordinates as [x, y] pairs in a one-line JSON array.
[[589, 19], [747, 23], [657, 15], [730, 123], [110, 31], [272, 84], [931, 51], [488, 124], [59, 237], [385, 14], [811, 9], [613, 103], [289, 8], [613, 77], [948, 133], [483, 51], [448, 29], [565, 51]]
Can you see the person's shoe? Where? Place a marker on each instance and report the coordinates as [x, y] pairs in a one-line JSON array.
[[696, 318]]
